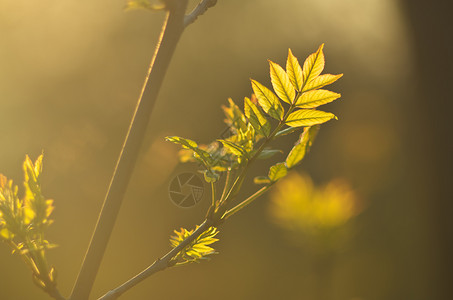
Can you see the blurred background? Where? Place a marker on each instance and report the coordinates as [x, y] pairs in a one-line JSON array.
[[70, 75]]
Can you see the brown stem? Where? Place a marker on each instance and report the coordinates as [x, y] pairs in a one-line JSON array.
[[171, 32], [159, 265]]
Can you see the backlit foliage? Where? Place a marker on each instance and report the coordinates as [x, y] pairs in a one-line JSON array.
[[197, 250], [23, 222], [292, 102]]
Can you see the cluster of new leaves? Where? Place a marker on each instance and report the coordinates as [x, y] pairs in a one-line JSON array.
[[23, 222], [297, 87], [198, 249], [297, 93]]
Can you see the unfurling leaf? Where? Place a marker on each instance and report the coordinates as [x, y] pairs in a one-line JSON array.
[[308, 117], [320, 81], [294, 71], [281, 83], [313, 65], [267, 100], [316, 98], [277, 171], [258, 121], [196, 250]]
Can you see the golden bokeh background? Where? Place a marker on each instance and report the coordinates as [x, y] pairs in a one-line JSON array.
[[71, 72]]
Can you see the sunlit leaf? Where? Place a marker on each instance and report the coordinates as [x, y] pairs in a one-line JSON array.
[[302, 146], [233, 148], [197, 249], [281, 83], [313, 65], [308, 117], [186, 143], [316, 98], [277, 171], [200, 154], [294, 71], [320, 81], [258, 121], [296, 154], [267, 100], [235, 118]]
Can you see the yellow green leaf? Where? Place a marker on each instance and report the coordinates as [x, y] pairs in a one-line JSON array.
[[277, 171], [199, 154], [316, 98], [294, 71], [267, 100], [308, 117], [281, 83], [197, 249], [313, 65], [233, 148], [258, 121], [302, 146], [320, 81], [185, 143]]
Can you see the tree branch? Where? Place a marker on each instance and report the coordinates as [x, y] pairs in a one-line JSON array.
[[159, 265], [200, 9], [171, 32]]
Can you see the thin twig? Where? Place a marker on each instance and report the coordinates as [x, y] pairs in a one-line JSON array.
[[200, 9], [171, 32], [159, 265]]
